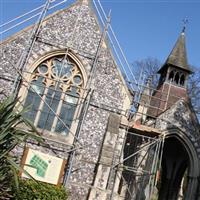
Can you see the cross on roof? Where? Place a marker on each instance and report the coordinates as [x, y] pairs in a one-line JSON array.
[[185, 21]]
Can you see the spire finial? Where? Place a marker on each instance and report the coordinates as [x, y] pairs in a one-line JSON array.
[[185, 21]]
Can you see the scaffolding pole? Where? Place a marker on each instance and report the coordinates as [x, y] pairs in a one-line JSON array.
[[64, 60], [31, 41], [157, 145], [86, 106], [78, 131]]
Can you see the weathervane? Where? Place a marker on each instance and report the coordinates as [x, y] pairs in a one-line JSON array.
[[185, 21]]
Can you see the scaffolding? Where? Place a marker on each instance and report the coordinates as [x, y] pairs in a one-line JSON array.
[[139, 161]]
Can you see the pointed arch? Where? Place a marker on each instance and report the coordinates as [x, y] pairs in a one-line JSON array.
[[170, 188], [55, 82]]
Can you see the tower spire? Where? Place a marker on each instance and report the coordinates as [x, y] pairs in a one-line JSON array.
[[178, 55], [174, 77]]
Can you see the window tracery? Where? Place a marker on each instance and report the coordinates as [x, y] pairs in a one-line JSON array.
[[58, 81]]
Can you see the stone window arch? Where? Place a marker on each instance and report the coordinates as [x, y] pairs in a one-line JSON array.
[[57, 80]]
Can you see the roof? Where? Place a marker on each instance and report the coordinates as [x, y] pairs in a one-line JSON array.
[[178, 55]]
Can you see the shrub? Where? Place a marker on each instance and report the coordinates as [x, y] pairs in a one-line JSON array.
[[34, 190], [14, 130]]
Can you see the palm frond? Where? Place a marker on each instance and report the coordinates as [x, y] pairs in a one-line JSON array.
[[15, 130]]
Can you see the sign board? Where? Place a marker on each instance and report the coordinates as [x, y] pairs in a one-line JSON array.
[[42, 167]]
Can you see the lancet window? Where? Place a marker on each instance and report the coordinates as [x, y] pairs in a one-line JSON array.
[[177, 78]]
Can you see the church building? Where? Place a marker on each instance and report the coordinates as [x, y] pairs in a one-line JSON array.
[[101, 142]]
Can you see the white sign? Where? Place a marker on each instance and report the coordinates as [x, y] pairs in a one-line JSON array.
[[43, 167]]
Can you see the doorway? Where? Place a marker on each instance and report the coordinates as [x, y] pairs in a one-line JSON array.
[[175, 162]]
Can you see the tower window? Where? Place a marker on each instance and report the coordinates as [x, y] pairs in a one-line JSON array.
[[58, 82], [171, 76], [177, 78], [182, 80]]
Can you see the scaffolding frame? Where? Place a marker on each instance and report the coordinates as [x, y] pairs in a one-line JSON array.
[[117, 167], [136, 170]]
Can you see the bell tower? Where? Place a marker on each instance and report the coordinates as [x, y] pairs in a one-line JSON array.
[[174, 75]]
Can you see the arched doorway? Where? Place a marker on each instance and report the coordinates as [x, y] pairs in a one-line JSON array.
[[179, 157], [174, 163]]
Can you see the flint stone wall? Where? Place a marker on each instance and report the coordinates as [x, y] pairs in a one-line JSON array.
[[181, 116], [77, 28]]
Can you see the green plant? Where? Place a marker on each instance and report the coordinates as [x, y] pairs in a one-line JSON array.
[[14, 130], [33, 190]]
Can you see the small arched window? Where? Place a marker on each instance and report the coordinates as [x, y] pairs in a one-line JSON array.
[[171, 76], [177, 78], [58, 82], [182, 80]]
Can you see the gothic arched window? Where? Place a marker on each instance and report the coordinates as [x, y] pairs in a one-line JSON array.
[[58, 82]]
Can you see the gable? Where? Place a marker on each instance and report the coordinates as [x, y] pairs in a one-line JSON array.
[[75, 27], [181, 116]]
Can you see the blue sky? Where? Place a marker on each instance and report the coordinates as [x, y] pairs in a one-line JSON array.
[[144, 28]]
